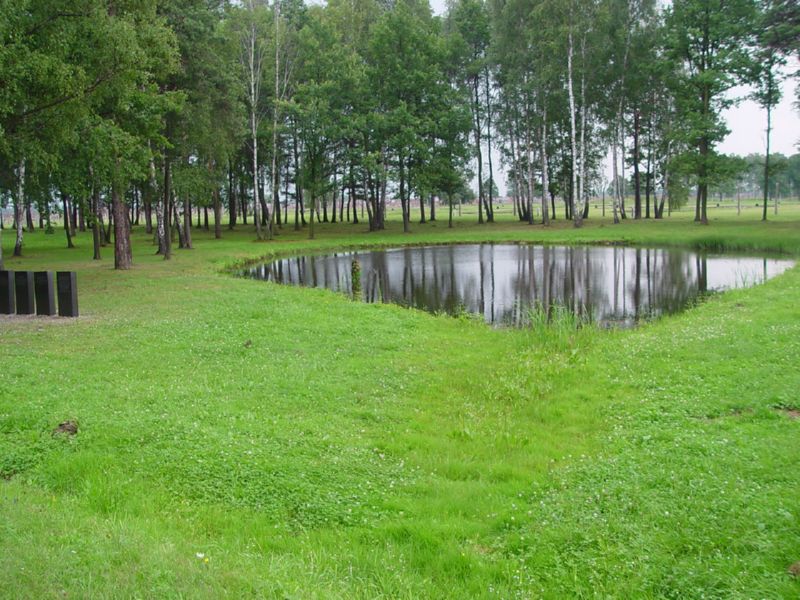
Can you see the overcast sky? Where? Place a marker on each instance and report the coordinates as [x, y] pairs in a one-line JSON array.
[[748, 123]]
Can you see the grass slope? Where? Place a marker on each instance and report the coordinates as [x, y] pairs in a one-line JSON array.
[[241, 439]]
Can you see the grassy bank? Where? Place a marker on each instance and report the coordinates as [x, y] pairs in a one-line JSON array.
[[247, 439]]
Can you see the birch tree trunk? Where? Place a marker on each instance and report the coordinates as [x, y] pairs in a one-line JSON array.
[[162, 213], [478, 151], [516, 161], [576, 215], [18, 206], [154, 193], [490, 205], [545, 208], [275, 173], [254, 61], [619, 134], [584, 205], [766, 157]]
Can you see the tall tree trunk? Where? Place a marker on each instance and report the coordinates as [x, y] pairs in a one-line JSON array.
[[232, 211], [622, 182], [298, 187], [265, 212], [217, 214], [478, 151], [637, 207], [335, 196], [163, 211], [311, 217], [153, 192], [187, 222], [766, 157], [572, 135], [738, 201], [243, 201], [582, 198], [95, 215], [29, 217], [617, 192], [698, 197], [18, 206], [136, 205], [490, 205], [545, 213], [341, 201], [123, 257], [107, 233], [254, 81], [296, 213], [403, 200], [148, 215], [664, 190], [74, 219], [529, 161], [516, 161], [276, 207], [450, 215], [67, 221]]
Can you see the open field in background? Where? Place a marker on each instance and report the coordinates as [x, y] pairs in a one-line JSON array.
[[239, 438]]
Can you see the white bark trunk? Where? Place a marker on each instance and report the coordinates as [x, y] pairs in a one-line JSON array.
[[545, 209], [19, 207], [619, 133], [572, 137], [275, 108], [254, 61], [615, 201], [582, 160], [582, 191], [160, 232]]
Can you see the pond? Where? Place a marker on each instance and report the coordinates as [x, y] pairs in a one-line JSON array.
[[611, 285]]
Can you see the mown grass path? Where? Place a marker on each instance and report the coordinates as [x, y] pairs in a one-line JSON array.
[[240, 439]]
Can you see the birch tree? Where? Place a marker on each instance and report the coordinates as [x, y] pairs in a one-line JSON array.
[[253, 57]]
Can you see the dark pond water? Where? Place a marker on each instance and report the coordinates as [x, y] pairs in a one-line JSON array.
[[503, 282]]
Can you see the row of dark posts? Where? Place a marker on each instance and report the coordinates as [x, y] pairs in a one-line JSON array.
[[29, 292]]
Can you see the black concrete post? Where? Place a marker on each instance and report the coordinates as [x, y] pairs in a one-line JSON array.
[[7, 303], [45, 294], [67, 284], [23, 284]]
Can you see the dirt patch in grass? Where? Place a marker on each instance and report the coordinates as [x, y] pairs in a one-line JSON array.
[[66, 428]]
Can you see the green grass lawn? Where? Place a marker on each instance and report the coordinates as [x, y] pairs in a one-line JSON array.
[[244, 439]]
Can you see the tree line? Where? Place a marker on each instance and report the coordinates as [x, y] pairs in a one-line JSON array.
[[112, 109]]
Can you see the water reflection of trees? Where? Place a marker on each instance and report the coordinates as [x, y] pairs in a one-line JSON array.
[[503, 282]]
